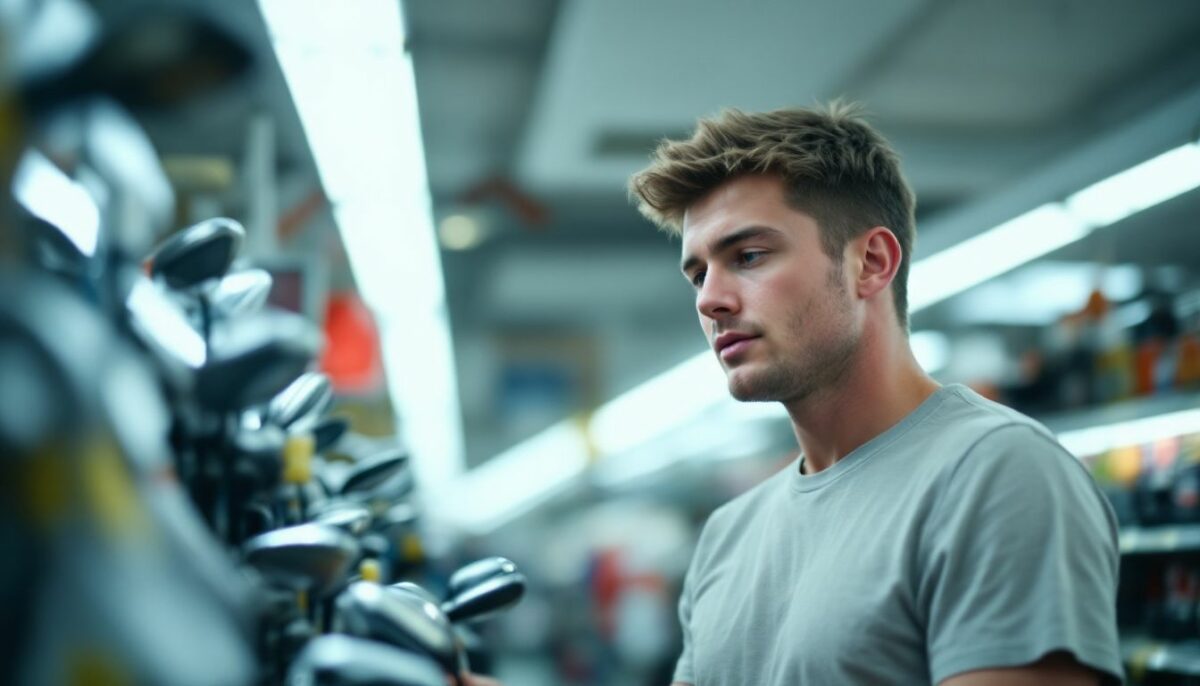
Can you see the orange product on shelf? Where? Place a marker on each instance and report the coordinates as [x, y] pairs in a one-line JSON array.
[[1187, 371], [1145, 362]]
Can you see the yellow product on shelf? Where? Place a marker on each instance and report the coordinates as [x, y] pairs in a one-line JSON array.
[[1123, 465]]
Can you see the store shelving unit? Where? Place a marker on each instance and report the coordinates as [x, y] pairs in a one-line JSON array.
[[1141, 653], [1125, 411], [1144, 654], [1160, 539]]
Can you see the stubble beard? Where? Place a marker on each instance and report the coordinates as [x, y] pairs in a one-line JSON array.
[[818, 366]]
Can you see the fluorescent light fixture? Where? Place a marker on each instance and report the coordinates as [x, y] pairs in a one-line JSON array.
[[659, 404], [354, 89], [1052, 226], [520, 478], [389, 248], [992, 253], [52, 196], [1145, 185], [931, 348], [1097, 439], [418, 364]]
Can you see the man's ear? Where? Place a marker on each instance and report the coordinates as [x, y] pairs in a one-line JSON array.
[[878, 254]]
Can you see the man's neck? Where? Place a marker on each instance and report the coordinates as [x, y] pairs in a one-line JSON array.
[[882, 388]]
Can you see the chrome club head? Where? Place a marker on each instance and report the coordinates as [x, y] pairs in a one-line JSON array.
[[313, 557], [301, 404], [485, 599], [240, 293], [335, 660], [370, 610], [198, 253], [473, 574]]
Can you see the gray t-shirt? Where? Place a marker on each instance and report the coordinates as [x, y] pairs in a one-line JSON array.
[[963, 538]]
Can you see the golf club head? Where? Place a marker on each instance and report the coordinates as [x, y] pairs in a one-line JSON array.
[[369, 610], [141, 201], [486, 598], [198, 253], [251, 360], [162, 327], [241, 293], [311, 557], [475, 573], [349, 517], [258, 457], [49, 37], [61, 221], [329, 431], [301, 404], [372, 473], [335, 660], [415, 589], [159, 58]]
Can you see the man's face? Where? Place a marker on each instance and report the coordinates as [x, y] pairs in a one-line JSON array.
[[773, 305]]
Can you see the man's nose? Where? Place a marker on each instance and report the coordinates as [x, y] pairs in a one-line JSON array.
[[717, 297]]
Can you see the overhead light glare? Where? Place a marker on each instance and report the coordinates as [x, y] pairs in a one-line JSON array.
[[992, 253], [354, 89], [931, 348], [1145, 185], [1098, 439], [659, 404], [360, 25], [520, 478]]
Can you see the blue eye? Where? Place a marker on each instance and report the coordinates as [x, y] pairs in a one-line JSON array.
[[698, 279], [750, 256]]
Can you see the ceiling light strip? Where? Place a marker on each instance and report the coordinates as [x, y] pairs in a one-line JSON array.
[[353, 85]]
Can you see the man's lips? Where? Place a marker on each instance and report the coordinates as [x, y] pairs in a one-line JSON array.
[[732, 343]]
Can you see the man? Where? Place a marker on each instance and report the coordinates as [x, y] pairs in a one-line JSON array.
[[924, 535]]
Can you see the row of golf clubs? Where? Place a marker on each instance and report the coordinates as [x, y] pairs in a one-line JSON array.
[[185, 348], [257, 464]]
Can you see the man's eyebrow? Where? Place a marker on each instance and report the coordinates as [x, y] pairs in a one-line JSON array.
[[729, 240]]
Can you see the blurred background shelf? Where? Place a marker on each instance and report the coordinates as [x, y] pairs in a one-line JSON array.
[[1160, 539], [1142, 654], [1125, 411]]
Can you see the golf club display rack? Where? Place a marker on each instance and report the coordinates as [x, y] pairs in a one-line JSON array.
[[178, 505]]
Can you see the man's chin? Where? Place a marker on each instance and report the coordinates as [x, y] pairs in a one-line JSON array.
[[746, 390]]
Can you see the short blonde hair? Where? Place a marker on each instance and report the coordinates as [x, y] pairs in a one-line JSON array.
[[835, 166]]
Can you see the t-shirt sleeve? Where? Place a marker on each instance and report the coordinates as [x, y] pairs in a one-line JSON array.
[[684, 671], [1019, 558]]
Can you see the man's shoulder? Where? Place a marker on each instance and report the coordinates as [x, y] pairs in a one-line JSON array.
[[985, 441], [966, 421], [969, 416]]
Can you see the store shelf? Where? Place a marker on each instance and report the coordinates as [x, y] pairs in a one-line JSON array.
[[1125, 411], [1159, 539], [1143, 654]]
